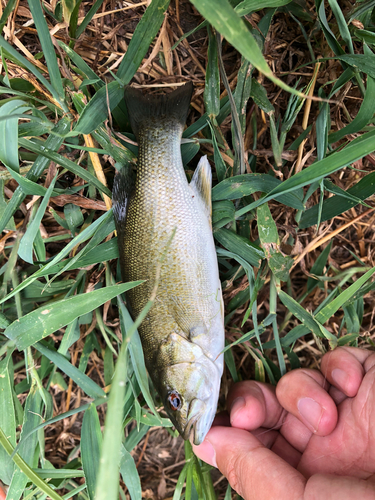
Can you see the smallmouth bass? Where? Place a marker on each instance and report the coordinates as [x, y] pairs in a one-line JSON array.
[[164, 231]]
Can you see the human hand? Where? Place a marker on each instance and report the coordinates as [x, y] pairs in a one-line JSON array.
[[312, 437]]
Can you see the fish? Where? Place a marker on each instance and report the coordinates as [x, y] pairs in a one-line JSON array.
[[165, 238]]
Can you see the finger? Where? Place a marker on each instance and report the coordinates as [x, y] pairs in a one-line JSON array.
[[296, 433], [252, 405], [369, 363], [302, 393], [338, 488], [222, 419], [251, 469], [337, 395], [277, 443], [343, 368], [360, 354], [363, 404]]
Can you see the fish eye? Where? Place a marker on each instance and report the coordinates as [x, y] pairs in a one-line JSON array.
[[174, 400]]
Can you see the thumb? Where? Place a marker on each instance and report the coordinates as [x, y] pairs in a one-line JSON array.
[[252, 470]]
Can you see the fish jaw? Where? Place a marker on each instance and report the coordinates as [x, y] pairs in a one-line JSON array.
[[202, 413], [200, 421]]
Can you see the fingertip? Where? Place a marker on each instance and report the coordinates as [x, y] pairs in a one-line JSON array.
[[252, 404], [247, 413], [301, 392], [344, 370]]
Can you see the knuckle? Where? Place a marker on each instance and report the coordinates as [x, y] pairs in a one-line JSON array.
[[369, 363], [234, 472]]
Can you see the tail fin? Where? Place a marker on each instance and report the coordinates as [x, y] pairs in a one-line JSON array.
[[173, 106]]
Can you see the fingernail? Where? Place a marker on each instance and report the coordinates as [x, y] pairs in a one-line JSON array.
[[206, 452], [339, 377], [311, 411], [237, 405]]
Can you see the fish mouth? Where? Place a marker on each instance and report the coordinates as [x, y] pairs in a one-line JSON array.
[[199, 422]]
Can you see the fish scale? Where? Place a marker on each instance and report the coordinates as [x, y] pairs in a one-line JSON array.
[[164, 228]]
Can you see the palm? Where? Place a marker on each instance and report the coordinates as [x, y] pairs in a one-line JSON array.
[[347, 450]]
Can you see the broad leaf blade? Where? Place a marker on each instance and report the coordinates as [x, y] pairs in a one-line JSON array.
[[49, 318]]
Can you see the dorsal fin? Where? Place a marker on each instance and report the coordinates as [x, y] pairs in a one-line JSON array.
[[201, 184]]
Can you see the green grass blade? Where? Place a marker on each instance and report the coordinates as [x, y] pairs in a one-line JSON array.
[[136, 353], [341, 23], [74, 411], [143, 35], [27, 450], [80, 238], [28, 187], [83, 381], [332, 188], [64, 162], [9, 132], [361, 62], [239, 245], [97, 110], [318, 267], [247, 6], [7, 416], [237, 136], [53, 143], [51, 317], [273, 308], [212, 82], [107, 487], [28, 65], [278, 262], [240, 186], [91, 443], [324, 314], [25, 250], [9, 6], [363, 117], [31, 475], [358, 148], [308, 320], [101, 253], [81, 28], [130, 474], [227, 22], [330, 37], [337, 205], [259, 96], [242, 92], [222, 213], [47, 46], [361, 9], [180, 483], [82, 65]]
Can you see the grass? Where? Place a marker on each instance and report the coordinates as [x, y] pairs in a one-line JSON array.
[[292, 218]]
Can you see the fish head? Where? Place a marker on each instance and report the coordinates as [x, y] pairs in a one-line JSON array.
[[190, 393]]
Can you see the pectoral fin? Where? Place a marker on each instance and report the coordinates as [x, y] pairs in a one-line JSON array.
[[188, 319], [123, 187], [201, 185]]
